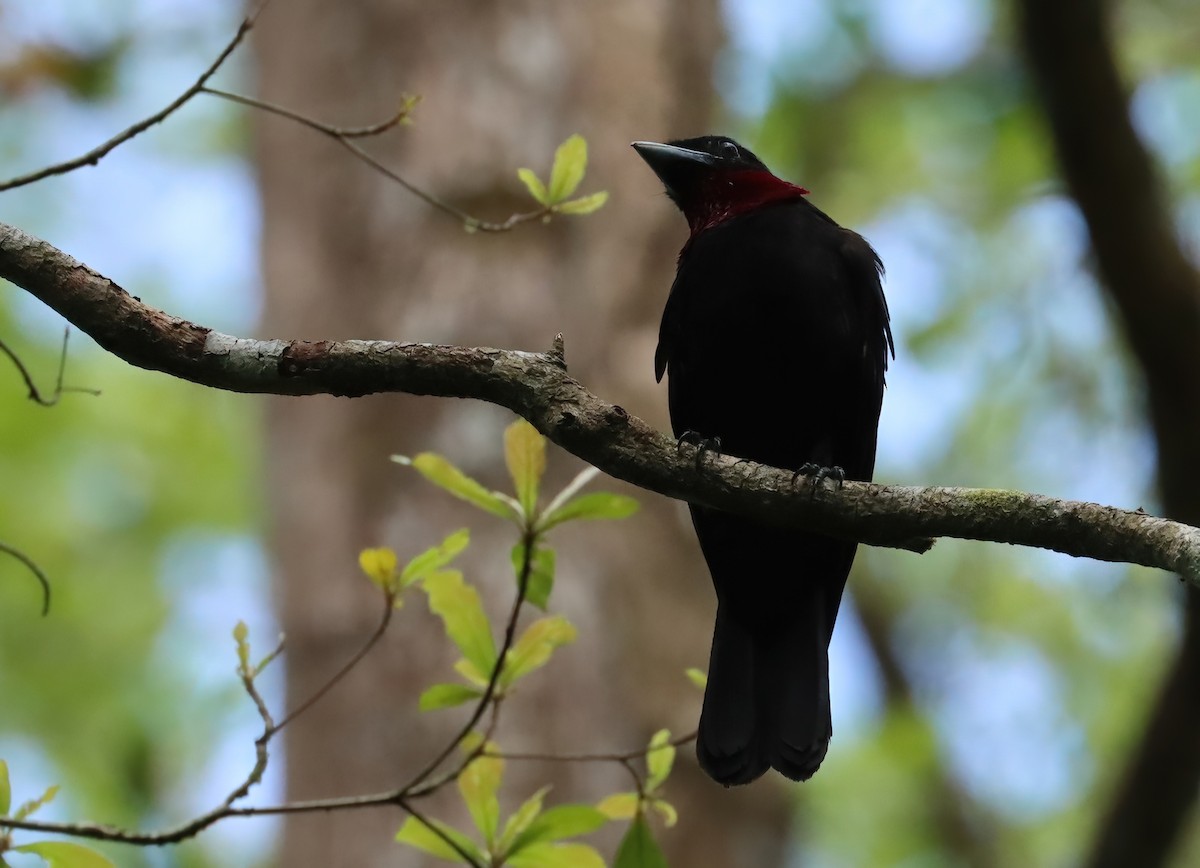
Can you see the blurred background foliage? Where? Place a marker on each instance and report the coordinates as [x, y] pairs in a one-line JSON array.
[[1002, 687]]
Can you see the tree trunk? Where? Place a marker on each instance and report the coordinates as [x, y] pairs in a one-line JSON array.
[[348, 253]]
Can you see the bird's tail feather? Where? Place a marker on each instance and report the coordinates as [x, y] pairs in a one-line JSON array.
[[767, 700]]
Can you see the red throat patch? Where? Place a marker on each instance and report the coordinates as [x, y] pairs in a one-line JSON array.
[[730, 193]]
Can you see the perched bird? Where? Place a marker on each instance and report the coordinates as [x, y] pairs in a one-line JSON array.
[[775, 339]]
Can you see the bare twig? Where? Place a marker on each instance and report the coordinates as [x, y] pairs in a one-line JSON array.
[[355, 659], [96, 154], [627, 756], [344, 137], [32, 566], [35, 394]]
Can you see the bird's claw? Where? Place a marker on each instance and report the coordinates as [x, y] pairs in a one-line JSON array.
[[819, 474], [703, 444]]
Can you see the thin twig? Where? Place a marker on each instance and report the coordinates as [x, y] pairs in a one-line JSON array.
[[343, 136], [372, 640], [261, 753], [97, 153], [32, 566], [35, 394], [628, 756], [402, 115], [446, 839]]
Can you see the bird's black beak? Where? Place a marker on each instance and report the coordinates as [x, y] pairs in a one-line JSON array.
[[675, 166]]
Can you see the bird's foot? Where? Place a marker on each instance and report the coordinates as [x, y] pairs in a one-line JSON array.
[[703, 444], [818, 474]]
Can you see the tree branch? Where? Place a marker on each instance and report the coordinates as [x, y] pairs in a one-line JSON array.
[[536, 386]]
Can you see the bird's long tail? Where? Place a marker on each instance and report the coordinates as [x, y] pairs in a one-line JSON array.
[[767, 700]]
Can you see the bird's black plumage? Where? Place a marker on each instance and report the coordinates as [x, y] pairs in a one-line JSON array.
[[775, 340]]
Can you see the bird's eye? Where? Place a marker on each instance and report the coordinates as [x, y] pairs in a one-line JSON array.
[[730, 151]]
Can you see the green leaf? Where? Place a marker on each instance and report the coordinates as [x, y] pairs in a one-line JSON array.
[[572, 488], [619, 806], [33, 805], [599, 504], [570, 163], [470, 671], [460, 609], [556, 856], [563, 821], [541, 573], [447, 696], [659, 758], [434, 558], [520, 820], [5, 790], [478, 783], [445, 475], [525, 455], [535, 646], [638, 848], [697, 676], [667, 810], [584, 204], [416, 834], [535, 186], [66, 854]]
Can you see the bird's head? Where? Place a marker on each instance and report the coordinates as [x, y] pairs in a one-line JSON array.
[[713, 178]]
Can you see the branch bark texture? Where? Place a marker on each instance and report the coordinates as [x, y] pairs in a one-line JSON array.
[[538, 387]]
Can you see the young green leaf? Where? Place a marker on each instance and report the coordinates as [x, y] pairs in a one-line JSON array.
[[619, 806], [445, 475], [638, 848], [666, 810], [379, 566], [535, 646], [570, 163], [520, 820], [447, 696], [461, 611], [66, 854], [584, 204], [5, 790], [241, 636], [525, 454], [556, 856], [659, 759], [30, 807], [416, 834], [557, 823], [697, 677], [434, 558], [572, 488], [541, 573], [535, 186], [478, 783], [599, 504], [470, 671]]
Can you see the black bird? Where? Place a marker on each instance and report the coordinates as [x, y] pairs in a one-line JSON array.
[[775, 339]]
